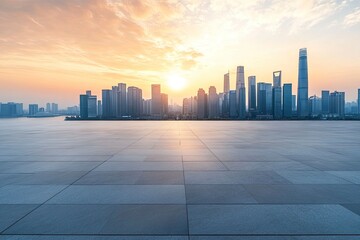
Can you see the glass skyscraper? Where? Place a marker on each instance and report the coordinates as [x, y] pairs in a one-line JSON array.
[[302, 102], [287, 100], [252, 93], [276, 95], [240, 92]]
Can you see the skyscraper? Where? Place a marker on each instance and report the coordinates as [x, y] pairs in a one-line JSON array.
[[164, 104], [113, 101], [287, 100], [201, 104], [337, 103], [155, 100], [92, 107], [121, 100], [226, 83], [213, 103], [302, 103], [240, 92], [325, 102], [252, 93], [99, 108], [358, 101], [293, 103], [276, 95], [232, 104], [314, 106], [134, 101], [33, 109], [84, 106], [264, 98], [106, 109], [48, 107]]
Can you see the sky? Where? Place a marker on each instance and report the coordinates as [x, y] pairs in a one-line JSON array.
[[53, 50]]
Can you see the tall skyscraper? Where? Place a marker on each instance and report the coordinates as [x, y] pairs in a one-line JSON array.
[[276, 95], [121, 100], [113, 101], [232, 104], [252, 93], [134, 101], [213, 103], [106, 108], [314, 106], [99, 108], [294, 103], [226, 82], [337, 103], [302, 103], [48, 107], [240, 92], [33, 109], [287, 100], [201, 104], [264, 98], [325, 102], [84, 106], [155, 100], [92, 107]]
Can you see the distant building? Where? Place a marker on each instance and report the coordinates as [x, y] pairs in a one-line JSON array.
[[264, 98], [48, 107], [84, 109], [11, 109], [114, 101], [155, 100], [302, 103], [99, 108], [337, 104], [276, 95], [201, 104], [105, 101], [92, 106], [241, 92], [213, 103], [314, 106], [134, 100], [146, 107], [232, 104], [325, 102], [226, 83], [287, 100], [293, 103], [164, 104], [33, 109], [252, 93], [358, 101], [121, 100]]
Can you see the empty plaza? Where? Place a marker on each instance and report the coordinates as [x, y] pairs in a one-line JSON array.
[[179, 179]]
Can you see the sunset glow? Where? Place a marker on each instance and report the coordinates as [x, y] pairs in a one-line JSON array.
[[53, 50]]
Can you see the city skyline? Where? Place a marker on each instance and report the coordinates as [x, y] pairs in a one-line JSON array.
[[46, 59]]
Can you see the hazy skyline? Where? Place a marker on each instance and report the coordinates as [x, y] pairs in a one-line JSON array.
[[52, 50]]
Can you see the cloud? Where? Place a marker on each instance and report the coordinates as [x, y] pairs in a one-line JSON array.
[[352, 18]]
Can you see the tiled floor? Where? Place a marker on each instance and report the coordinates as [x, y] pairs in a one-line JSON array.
[[147, 180]]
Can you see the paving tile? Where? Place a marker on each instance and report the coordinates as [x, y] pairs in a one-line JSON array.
[[272, 219], [311, 177], [34, 167], [104, 219], [121, 194], [204, 166], [140, 166], [28, 194], [217, 194], [10, 213], [267, 166], [351, 176]]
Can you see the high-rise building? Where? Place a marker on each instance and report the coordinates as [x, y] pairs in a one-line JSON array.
[[11, 109], [276, 95], [164, 104], [186, 107], [48, 107], [294, 103], [287, 100], [241, 92], [92, 107], [146, 107], [84, 106], [99, 108], [201, 104], [302, 103], [121, 100], [54, 108], [226, 82], [337, 103], [113, 101], [232, 104], [213, 102], [314, 106], [252, 93], [264, 98], [155, 99], [33, 109], [106, 105], [134, 100], [225, 107], [325, 102], [358, 101]]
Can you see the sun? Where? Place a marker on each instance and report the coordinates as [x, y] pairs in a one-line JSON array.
[[175, 82]]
